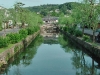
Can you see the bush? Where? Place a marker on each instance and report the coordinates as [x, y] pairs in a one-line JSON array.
[[36, 28], [65, 28], [30, 31], [0, 28], [78, 33], [4, 42], [23, 33], [71, 30], [14, 37], [86, 38]]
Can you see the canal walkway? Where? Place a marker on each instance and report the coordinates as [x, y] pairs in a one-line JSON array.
[[7, 31], [46, 58], [52, 59], [88, 31]]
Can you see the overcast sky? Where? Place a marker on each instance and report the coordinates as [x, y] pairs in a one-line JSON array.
[[10, 3]]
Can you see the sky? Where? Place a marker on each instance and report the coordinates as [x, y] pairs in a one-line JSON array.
[[10, 3]]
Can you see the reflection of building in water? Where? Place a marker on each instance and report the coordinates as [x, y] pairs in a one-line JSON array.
[[51, 40], [49, 30]]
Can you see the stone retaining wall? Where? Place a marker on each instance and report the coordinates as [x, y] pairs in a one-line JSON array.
[[90, 47], [7, 54]]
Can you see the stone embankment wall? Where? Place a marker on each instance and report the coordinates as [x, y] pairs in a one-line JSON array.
[[7, 54], [95, 49]]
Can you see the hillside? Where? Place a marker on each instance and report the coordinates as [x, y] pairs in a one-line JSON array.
[[52, 9]]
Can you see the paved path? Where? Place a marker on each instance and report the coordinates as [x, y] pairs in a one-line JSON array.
[[6, 31], [89, 31]]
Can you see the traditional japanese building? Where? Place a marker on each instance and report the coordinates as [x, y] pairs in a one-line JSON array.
[[50, 19]]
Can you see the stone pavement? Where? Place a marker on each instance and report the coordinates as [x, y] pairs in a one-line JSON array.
[[89, 31], [7, 31]]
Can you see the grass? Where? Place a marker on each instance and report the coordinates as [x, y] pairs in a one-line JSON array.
[[9, 46], [6, 48]]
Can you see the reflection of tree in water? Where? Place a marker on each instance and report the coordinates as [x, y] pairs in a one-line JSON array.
[[50, 41], [81, 66], [65, 43], [79, 62], [25, 57], [17, 71], [62, 41], [29, 53]]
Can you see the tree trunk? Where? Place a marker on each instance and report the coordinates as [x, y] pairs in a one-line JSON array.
[[93, 35], [83, 31], [92, 72]]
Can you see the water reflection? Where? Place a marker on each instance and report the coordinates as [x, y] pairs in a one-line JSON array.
[[57, 57], [82, 61], [29, 53], [24, 57], [50, 40]]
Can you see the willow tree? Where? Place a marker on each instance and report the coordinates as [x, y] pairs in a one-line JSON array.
[[33, 19], [80, 14], [13, 16], [19, 12], [87, 14], [4, 19], [61, 20], [1, 18], [27, 17], [66, 21], [93, 16], [70, 21]]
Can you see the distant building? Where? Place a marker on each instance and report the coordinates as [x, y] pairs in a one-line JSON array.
[[2, 7], [57, 11], [50, 19], [38, 12], [6, 13]]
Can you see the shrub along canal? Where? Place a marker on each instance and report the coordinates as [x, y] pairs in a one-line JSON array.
[[51, 56]]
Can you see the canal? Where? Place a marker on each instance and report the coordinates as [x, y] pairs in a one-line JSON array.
[[51, 56]]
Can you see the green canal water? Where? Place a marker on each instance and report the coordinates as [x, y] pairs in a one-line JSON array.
[[52, 56]]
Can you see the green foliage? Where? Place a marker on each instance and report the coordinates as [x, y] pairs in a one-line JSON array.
[[23, 33], [71, 30], [66, 21], [45, 9], [14, 37], [61, 18], [36, 28], [78, 33], [30, 31], [65, 28], [86, 38], [0, 28], [44, 13], [4, 42], [16, 48], [63, 42], [33, 19]]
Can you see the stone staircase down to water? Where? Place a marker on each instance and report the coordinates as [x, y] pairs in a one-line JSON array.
[[48, 30]]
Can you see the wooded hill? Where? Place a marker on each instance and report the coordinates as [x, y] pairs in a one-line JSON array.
[[51, 8]]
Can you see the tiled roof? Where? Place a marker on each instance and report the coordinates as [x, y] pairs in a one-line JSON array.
[[49, 18]]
